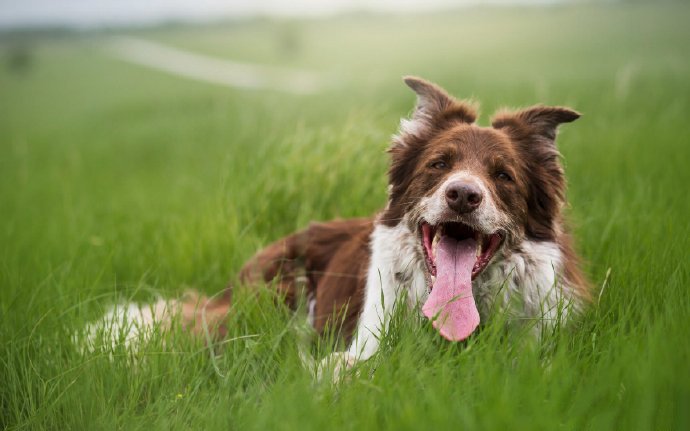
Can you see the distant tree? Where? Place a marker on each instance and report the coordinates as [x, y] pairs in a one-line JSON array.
[[289, 39], [19, 58]]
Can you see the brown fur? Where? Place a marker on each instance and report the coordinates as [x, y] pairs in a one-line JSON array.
[[326, 261]]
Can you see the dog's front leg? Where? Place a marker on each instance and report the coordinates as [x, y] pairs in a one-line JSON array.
[[380, 297], [379, 302]]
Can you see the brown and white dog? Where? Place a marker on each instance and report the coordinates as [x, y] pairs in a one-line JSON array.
[[473, 219]]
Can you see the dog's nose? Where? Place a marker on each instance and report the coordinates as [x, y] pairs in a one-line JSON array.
[[463, 197]]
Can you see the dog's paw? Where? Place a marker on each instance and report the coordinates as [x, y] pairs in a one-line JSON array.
[[335, 366]]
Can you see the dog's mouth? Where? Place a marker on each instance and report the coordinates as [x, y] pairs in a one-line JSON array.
[[486, 244], [455, 254]]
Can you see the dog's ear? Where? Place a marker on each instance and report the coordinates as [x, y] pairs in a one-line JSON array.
[[533, 130], [538, 120], [433, 101], [434, 108]]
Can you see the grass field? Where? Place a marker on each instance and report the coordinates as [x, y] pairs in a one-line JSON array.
[[120, 182]]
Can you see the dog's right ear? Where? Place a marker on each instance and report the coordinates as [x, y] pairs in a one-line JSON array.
[[434, 109]]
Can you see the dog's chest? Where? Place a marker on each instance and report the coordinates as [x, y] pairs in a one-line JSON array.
[[398, 260]]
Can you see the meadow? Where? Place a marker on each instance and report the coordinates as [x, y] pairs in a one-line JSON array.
[[118, 182]]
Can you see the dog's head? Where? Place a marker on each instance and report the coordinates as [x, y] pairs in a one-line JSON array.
[[460, 186]]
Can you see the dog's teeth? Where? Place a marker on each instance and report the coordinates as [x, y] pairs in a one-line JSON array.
[[480, 242], [433, 279], [434, 244]]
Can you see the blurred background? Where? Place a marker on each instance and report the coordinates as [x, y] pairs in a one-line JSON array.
[[113, 108], [89, 14]]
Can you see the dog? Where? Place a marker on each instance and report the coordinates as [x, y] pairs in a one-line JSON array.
[[473, 220]]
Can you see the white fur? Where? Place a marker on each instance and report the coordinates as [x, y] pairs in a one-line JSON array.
[[416, 126], [311, 311], [395, 264], [531, 274], [411, 126], [129, 324]]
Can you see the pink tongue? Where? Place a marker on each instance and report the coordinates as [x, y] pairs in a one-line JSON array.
[[451, 305]]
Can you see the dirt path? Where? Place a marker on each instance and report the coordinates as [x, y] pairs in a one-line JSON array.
[[213, 70]]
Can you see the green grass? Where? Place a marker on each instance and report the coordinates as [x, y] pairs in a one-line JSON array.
[[121, 182]]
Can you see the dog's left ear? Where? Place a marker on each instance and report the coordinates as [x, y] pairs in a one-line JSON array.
[[539, 120], [533, 130]]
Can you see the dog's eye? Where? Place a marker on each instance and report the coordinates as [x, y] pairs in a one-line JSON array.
[[503, 176], [439, 165]]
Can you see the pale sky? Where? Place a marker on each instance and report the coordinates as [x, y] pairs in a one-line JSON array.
[[94, 13]]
